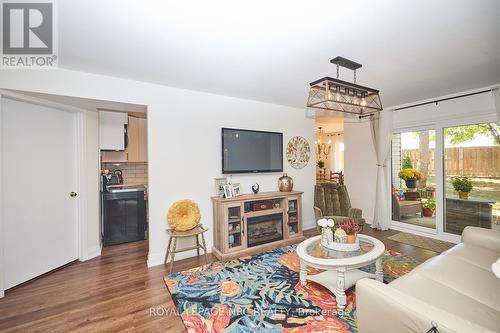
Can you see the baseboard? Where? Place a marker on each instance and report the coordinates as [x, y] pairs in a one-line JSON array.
[[95, 252], [155, 259]]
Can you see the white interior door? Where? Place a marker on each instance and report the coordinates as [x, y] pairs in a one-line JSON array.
[[38, 172]]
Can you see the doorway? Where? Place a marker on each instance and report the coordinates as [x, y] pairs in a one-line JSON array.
[[48, 152], [329, 145], [124, 176]]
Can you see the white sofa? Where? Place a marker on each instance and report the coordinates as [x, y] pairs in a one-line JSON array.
[[456, 290]]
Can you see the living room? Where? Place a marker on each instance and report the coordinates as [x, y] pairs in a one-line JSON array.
[[193, 69]]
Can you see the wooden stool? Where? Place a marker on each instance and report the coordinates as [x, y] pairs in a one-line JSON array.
[[172, 243]]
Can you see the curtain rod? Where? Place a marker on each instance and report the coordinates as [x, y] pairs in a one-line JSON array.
[[443, 99]]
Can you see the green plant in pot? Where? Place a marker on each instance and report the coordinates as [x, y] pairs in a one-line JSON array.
[[406, 163], [428, 207], [462, 185], [410, 176]]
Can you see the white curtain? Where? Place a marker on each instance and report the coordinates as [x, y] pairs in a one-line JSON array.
[[381, 128], [496, 100]]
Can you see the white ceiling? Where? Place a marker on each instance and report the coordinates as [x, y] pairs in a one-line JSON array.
[[271, 50]]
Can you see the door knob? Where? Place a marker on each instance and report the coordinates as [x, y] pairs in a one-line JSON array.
[[73, 194]]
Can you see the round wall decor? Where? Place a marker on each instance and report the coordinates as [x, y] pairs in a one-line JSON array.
[[298, 152]]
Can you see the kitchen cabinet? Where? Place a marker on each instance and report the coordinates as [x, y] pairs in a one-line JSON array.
[[112, 130], [124, 217], [137, 149], [137, 132], [143, 140]]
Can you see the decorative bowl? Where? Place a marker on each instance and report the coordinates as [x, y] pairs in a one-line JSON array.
[[342, 246]]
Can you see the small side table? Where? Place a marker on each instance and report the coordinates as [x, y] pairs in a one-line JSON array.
[[196, 232]]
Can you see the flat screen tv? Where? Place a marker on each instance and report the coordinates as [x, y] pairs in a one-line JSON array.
[[247, 151]]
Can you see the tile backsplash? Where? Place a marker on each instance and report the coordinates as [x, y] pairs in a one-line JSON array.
[[133, 173]]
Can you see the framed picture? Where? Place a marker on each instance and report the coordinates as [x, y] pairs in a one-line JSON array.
[[236, 189], [219, 186], [228, 191]]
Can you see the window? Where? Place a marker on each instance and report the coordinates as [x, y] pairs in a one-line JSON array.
[[471, 177], [414, 178]]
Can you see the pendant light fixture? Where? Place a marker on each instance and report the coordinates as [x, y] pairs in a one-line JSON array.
[[333, 94]]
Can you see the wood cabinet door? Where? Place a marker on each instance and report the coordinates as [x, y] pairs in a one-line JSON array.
[[293, 217], [234, 227], [137, 140], [113, 156], [143, 140], [133, 139]]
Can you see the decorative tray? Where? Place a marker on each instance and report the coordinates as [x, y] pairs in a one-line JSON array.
[[342, 246]]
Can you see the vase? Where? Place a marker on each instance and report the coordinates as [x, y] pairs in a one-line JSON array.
[[324, 240], [427, 212], [255, 188], [411, 183], [463, 195], [326, 236], [285, 183], [351, 239]]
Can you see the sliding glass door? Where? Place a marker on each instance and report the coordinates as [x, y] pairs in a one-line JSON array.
[[471, 177], [413, 187], [445, 178]]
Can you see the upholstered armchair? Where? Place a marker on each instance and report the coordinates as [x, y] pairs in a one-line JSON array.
[[332, 201]]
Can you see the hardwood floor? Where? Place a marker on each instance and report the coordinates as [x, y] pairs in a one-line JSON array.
[[114, 293]]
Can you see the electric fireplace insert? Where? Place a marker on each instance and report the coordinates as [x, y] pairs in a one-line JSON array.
[[264, 229]]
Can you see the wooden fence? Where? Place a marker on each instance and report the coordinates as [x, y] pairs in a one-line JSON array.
[[464, 161]]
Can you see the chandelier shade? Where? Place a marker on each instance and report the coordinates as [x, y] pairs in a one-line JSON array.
[[333, 94]]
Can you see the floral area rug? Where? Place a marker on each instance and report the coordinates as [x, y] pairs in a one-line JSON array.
[[262, 293]]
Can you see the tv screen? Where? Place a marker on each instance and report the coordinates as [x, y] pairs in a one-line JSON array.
[[246, 151]]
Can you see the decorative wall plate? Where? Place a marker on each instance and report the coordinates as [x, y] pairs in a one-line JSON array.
[[298, 152]]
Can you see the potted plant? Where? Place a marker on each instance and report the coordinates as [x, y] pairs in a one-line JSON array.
[[410, 176], [351, 229], [428, 207], [406, 163], [462, 185]]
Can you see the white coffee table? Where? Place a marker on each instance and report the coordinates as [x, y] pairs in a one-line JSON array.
[[341, 268]]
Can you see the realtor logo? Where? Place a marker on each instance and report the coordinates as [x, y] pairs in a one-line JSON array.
[[28, 35]]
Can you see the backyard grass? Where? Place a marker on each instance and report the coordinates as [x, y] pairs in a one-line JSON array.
[[483, 188]]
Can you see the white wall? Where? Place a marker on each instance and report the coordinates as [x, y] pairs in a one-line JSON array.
[[182, 124], [337, 157], [91, 246], [360, 166], [185, 154]]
